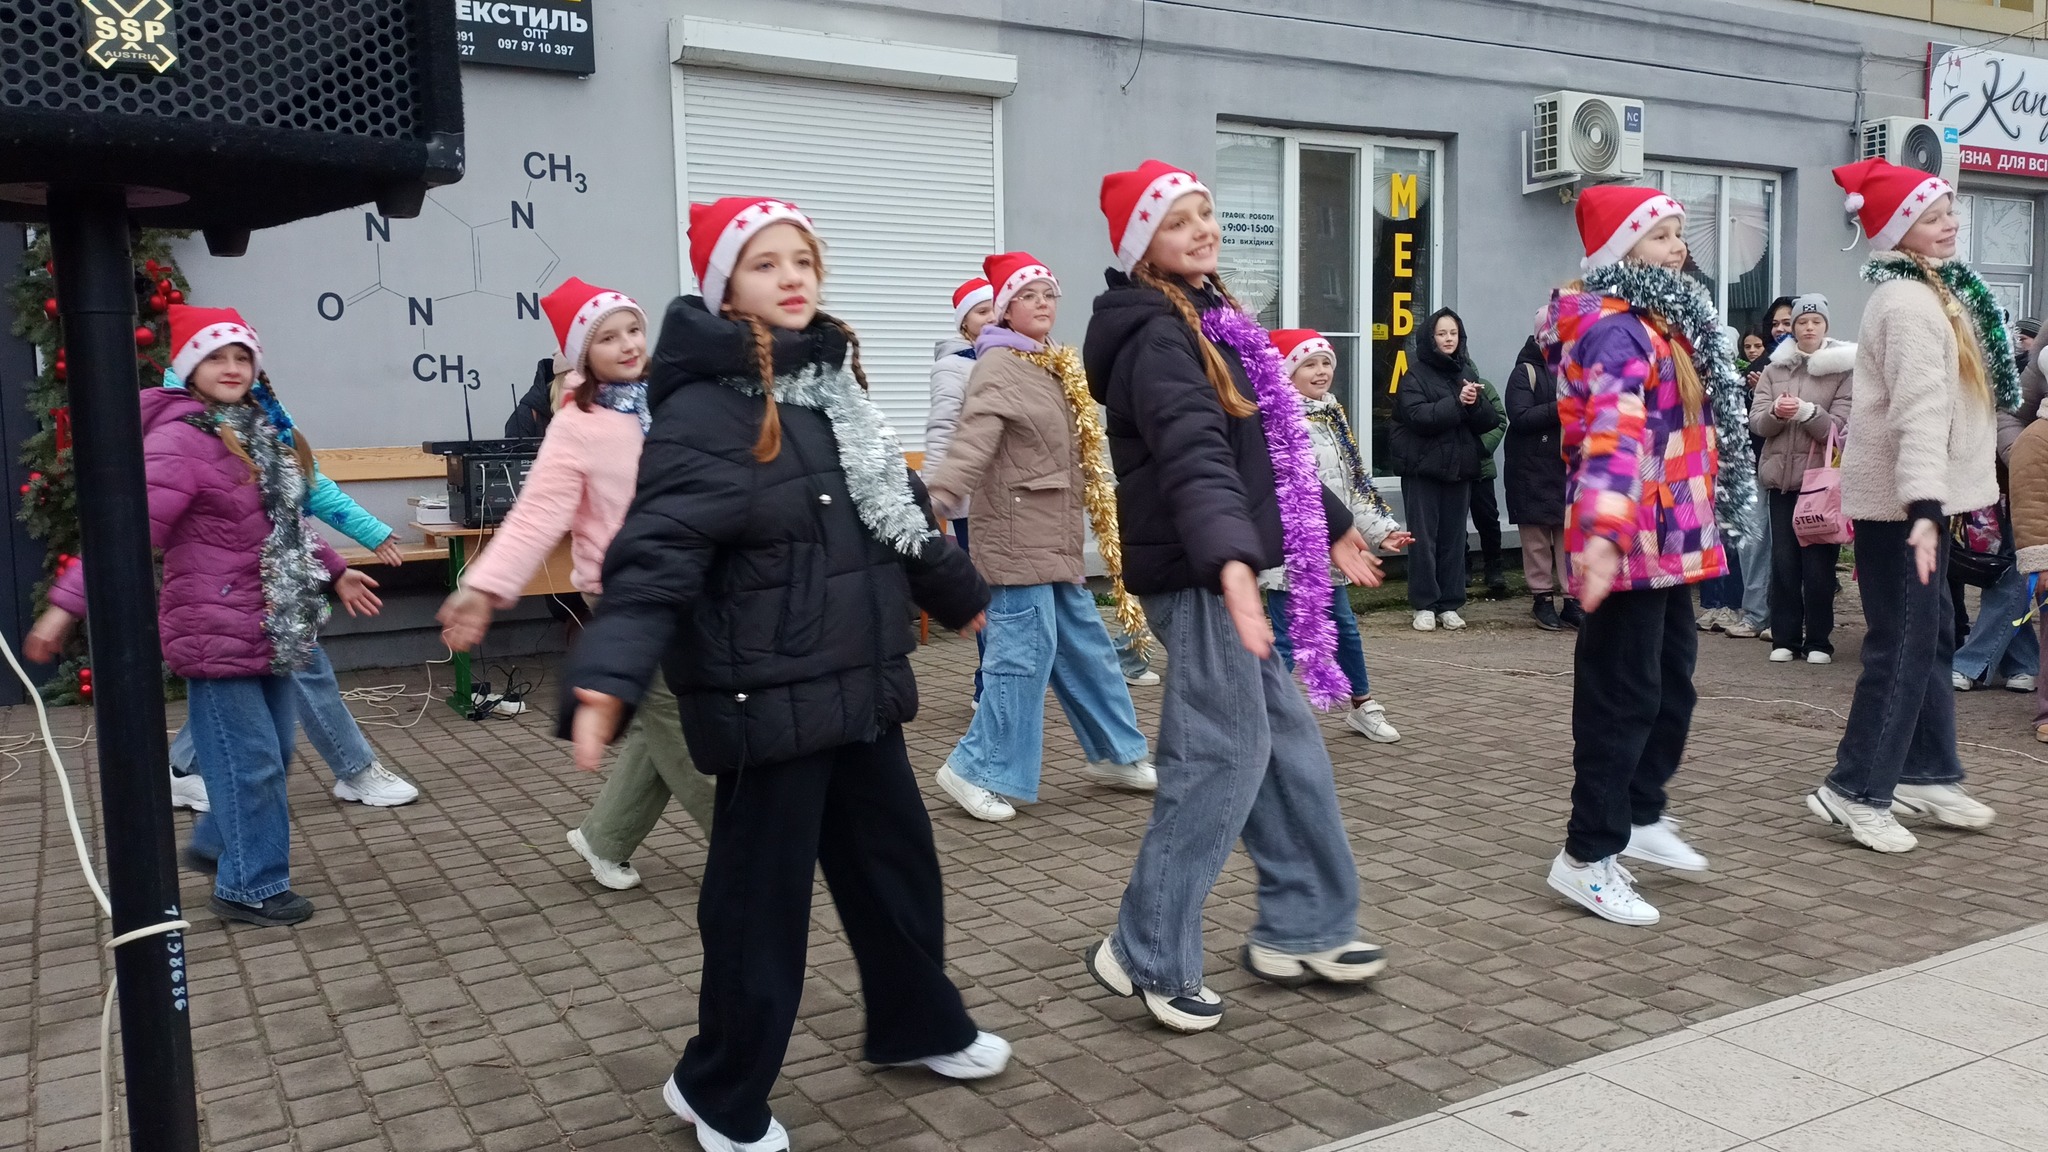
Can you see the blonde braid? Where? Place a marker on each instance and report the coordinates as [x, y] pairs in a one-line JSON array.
[[1213, 364]]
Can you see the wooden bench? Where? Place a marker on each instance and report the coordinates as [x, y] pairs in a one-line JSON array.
[[347, 465], [361, 557]]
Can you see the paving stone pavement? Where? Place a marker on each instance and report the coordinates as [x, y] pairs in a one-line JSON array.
[[466, 985]]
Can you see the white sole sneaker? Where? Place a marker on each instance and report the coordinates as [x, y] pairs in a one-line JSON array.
[[1137, 777], [1352, 963], [1878, 836], [617, 875], [776, 1139], [977, 801], [1197, 1013], [1819, 657], [1370, 722], [1783, 655], [986, 1057], [1660, 844], [1451, 621], [376, 787], [1423, 622], [189, 791], [1949, 805], [1603, 888]]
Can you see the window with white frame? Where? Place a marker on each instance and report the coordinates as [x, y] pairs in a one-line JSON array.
[[1338, 233], [1997, 239], [1731, 234]]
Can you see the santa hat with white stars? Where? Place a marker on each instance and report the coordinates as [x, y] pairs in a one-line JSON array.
[[720, 230], [197, 333], [575, 309], [1136, 201], [1887, 199], [1612, 217]]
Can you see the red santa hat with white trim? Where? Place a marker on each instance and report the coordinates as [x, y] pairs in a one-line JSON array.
[[719, 231], [1887, 198], [576, 309], [1009, 272], [197, 333], [1296, 345], [966, 296], [1136, 201], [1612, 217]]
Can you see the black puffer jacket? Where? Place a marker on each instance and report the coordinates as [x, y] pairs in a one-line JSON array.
[[1194, 484], [1533, 451], [782, 623], [1434, 436]]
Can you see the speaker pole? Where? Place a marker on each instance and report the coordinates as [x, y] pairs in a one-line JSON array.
[[96, 298]]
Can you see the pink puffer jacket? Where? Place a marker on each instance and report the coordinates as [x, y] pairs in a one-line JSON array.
[[206, 514]]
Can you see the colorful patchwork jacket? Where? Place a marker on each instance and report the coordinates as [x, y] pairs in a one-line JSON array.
[[1639, 474]]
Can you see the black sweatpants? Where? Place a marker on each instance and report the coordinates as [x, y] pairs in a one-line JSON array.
[[1631, 710], [855, 811], [1802, 584], [1436, 560], [1486, 521]]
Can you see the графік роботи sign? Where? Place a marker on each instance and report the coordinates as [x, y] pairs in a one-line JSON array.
[[551, 34]]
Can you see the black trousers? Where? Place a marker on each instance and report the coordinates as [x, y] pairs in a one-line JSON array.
[[1902, 719], [855, 811], [1436, 560], [1802, 584], [1631, 710], [1486, 519]]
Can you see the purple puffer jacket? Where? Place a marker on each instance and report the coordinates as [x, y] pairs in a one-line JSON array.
[[206, 514]]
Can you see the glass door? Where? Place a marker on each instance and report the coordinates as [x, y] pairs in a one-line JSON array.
[[1997, 239]]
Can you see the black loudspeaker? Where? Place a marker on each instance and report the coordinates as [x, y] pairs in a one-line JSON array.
[[228, 115]]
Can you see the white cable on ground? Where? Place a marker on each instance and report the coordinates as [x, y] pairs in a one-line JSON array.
[[99, 894]]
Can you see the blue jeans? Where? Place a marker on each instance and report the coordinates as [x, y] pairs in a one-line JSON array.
[[244, 729], [1350, 648], [1754, 554], [980, 641], [1040, 633], [1994, 641], [328, 722], [1240, 755], [1131, 661]]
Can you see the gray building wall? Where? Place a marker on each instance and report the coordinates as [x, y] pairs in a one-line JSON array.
[[1762, 84]]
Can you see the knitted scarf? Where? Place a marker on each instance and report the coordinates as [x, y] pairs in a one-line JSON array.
[[1305, 532], [294, 605], [1685, 305], [1960, 289], [627, 398], [1098, 483], [869, 453]]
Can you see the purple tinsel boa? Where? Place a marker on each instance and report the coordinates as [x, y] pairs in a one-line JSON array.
[[1305, 533]]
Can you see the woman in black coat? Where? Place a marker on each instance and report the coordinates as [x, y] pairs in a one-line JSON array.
[[1534, 476], [768, 564], [1439, 412]]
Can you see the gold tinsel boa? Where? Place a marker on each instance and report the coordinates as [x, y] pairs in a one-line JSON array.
[[1098, 483]]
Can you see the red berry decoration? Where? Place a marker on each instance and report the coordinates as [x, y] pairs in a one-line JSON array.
[[58, 372], [177, 297], [34, 476], [24, 489], [158, 303], [164, 285], [150, 267], [145, 336], [85, 674], [50, 307]]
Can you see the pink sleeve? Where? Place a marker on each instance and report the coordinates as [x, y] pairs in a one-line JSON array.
[[173, 484], [328, 556], [543, 514], [68, 592]]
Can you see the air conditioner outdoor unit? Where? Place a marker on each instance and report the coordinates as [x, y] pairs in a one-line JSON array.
[[1927, 145], [1581, 134]]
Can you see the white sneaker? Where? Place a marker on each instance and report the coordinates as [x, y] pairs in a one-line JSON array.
[[1740, 628], [1874, 828], [986, 1057], [1197, 1013], [1146, 679], [1139, 776], [776, 1139], [617, 875], [1450, 620], [189, 791], [2020, 683], [1370, 720], [1782, 655], [1424, 621], [1708, 621], [376, 786], [1660, 843], [1352, 963], [1819, 657], [1604, 887], [1960, 682], [1947, 803], [1764, 635], [980, 803]]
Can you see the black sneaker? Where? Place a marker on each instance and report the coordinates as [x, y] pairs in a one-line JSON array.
[[280, 911], [1496, 588], [1573, 616], [1545, 613]]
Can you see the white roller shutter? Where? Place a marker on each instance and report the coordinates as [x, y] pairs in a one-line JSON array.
[[902, 186]]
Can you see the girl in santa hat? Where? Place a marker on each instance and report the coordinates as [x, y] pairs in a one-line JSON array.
[[580, 484], [1030, 445], [768, 565], [1216, 483], [1310, 362], [242, 602], [1655, 429], [952, 362], [1933, 367]]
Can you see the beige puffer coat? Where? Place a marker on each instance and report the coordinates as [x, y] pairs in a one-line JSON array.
[[1820, 381]]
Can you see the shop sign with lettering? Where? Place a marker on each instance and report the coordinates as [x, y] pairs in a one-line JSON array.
[[552, 34], [1994, 104]]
